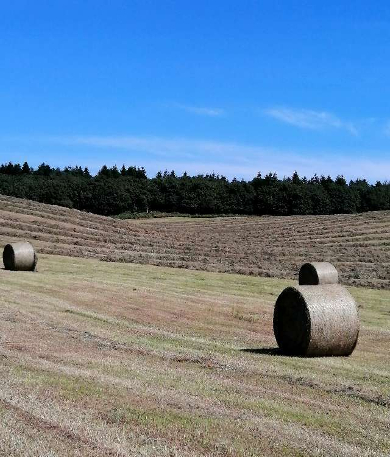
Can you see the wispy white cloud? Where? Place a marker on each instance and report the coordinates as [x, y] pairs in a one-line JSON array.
[[201, 111], [309, 119], [231, 159]]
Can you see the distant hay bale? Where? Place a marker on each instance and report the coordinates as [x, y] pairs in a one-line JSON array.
[[20, 256], [316, 273], [316, 321]]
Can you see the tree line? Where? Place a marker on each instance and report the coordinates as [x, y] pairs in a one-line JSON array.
[[113, 191]]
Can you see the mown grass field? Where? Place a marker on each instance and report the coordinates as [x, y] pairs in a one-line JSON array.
[[358, 244], [113, 359]]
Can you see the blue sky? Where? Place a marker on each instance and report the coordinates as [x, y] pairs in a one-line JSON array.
[[233, 87]]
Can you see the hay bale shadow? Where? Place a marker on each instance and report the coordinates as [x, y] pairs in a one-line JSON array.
[[263, 351], [275, 352], [279, 353]]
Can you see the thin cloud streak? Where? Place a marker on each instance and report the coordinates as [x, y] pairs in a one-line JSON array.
[[231, 159], [309, 119], [201, 111]]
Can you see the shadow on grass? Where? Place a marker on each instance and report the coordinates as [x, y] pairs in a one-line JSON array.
[[264, 351], [278, 352]]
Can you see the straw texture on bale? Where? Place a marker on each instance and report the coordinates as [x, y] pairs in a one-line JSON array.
[[20, 256], [318, 273], [316, 321]]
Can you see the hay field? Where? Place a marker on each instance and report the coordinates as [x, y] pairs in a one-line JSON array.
[[359, 245], [110, 359]]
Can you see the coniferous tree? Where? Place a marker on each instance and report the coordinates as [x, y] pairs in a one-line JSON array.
[[130, 190]]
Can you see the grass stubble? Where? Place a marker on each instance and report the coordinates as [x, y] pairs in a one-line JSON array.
[[123, 359]]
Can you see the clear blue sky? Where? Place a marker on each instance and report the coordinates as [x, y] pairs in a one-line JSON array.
[[227, 86]]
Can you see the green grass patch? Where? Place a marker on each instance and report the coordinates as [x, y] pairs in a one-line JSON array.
[[68, 387]]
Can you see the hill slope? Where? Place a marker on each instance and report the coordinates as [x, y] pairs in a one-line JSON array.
[[359, 244], [101, 359]]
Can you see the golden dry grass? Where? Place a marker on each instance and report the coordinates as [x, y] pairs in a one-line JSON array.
[[108, 359]]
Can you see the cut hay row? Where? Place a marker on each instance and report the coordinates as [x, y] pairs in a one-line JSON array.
[[276, 239], [358, 245], [134, 243], [81, 216], [130, 239]]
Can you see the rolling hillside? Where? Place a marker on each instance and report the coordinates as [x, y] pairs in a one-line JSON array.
[[359, 244]]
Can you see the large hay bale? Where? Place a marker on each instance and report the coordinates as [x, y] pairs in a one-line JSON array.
[[316, 321], [20, 256], [318, 273]]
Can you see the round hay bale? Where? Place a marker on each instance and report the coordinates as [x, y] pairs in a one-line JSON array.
[[312, 274], [20, 256], [316, 321]]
